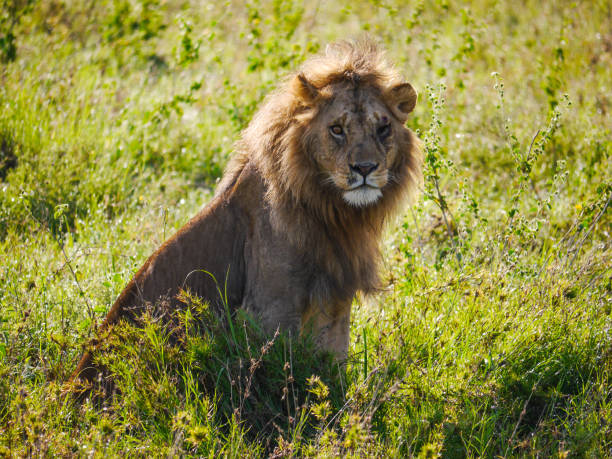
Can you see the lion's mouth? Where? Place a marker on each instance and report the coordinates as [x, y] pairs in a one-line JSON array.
[[365, 183]]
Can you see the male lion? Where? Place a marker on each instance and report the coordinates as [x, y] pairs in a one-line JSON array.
[[294, 227]]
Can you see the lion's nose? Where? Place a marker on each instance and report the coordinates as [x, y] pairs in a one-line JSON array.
[[364, 168]]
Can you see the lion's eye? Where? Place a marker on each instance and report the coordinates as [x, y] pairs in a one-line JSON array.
[[336, 130], [384, 131]]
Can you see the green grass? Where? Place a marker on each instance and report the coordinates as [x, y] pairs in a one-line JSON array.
[[493, 336]]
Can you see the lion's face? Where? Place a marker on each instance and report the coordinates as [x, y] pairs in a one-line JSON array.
[[354, 139]]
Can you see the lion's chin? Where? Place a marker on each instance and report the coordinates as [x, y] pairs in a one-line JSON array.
[[362, 196]]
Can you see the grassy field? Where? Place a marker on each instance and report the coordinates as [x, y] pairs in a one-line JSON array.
[[493, 336]]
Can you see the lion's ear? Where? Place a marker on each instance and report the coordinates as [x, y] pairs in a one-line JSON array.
[[304, 89], [402, 98]]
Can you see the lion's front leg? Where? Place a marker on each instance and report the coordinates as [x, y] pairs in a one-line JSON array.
[[330, 327]]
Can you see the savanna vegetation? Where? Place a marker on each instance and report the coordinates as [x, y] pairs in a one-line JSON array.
[[493, 336]]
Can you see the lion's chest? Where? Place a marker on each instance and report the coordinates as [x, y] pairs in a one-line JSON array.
[[279, 280]]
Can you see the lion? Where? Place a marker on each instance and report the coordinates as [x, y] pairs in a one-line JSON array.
[[294, 228]]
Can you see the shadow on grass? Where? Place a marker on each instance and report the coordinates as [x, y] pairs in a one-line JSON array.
[[547, 394], [524, 403], [8, 157]]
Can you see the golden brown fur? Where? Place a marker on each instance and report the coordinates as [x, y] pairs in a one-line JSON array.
[[296, 221]]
